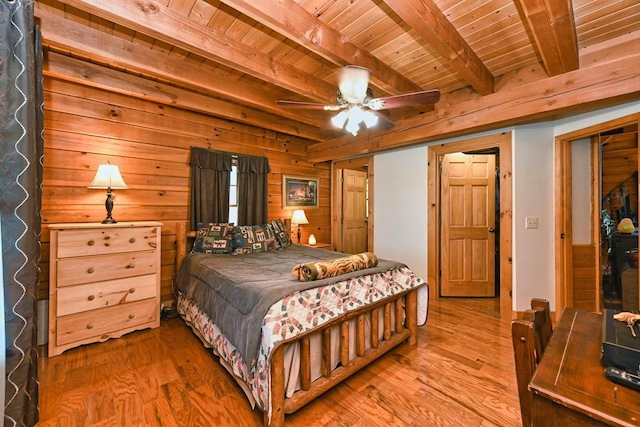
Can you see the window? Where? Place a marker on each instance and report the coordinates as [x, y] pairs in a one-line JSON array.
[[233, 192]]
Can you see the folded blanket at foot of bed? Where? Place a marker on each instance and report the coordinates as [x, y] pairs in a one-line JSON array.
[[334, 267]]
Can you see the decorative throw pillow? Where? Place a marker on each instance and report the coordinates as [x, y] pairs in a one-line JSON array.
[[281, 233], [253, 238], [215, 238], [321, 269]]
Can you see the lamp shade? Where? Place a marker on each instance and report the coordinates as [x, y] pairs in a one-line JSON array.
[[108, 176], [299, 217]]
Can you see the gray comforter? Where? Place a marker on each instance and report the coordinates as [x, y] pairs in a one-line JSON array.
[[236, 291]]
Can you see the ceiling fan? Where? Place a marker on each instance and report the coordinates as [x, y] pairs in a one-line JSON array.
[[357, 105]]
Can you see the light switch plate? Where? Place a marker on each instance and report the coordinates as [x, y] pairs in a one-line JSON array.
[[532, 222]]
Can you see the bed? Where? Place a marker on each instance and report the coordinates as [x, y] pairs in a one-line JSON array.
[[285, 340]]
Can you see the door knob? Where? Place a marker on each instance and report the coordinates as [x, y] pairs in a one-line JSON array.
[[492, 230]]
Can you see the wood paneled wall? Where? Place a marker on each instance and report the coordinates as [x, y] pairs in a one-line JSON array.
[[586, 284], [150, 142], [619, 163]]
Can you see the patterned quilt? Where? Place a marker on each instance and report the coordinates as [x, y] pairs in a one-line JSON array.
[[295, 314], [237, 291]]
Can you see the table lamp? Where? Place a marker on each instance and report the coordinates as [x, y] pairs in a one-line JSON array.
[[298, 218], [108, 176]]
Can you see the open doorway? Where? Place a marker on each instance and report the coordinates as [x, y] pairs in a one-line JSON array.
[[618, 185], [594, 263], [502, 143]]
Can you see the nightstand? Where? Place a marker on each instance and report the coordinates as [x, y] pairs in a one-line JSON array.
[[319, 245], [104, 281]]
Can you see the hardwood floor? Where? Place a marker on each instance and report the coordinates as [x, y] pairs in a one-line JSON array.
[[460, 374]]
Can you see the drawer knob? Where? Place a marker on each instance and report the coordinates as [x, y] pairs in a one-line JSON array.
[[91, 297], [132, 265], [89, 325], [90, 270], [132, 315], [91, 242], [132, 290], [132, 240]]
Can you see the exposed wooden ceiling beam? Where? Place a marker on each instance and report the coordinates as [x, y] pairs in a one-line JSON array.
[[161, 22], [64, 34], [571, 92], [76, 70], [292, 21], [552, 29], [434, 28]]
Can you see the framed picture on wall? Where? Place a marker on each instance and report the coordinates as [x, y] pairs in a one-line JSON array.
[[299, 192]]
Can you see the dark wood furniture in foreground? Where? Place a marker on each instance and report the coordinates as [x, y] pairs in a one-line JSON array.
[[569, 387], [530, 336]]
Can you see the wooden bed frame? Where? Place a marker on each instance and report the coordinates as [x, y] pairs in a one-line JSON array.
[[407, 330]]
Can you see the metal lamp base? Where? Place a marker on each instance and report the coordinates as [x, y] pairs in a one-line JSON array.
[[108, 204]]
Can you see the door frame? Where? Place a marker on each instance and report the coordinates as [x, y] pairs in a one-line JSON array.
[[563, 235], [503, 142], [359, 164]]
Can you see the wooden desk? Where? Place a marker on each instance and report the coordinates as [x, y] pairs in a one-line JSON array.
[[569, 387]]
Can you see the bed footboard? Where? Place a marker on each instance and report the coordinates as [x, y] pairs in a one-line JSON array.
[[406, 329]]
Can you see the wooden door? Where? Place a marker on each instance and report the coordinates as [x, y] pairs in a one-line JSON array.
[[354, 211], [468, 225]]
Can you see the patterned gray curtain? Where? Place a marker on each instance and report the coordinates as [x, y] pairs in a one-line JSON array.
[[210, 179], [21, 152], [253, 190]]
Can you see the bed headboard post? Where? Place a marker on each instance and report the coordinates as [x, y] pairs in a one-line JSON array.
[[181, 244]]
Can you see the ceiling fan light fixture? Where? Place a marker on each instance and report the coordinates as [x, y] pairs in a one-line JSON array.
[[353, 125], [353, 117], [355, 106], [340, 119], [370, 119], [357, 113]]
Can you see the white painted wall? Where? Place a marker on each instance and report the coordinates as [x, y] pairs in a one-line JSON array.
[[400, 206], [581, 222], [533, 196], [400, 202]]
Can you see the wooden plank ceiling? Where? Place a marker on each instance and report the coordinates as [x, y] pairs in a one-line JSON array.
[[495, 62]]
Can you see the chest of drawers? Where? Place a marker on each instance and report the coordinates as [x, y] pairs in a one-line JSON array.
[[104, 281]]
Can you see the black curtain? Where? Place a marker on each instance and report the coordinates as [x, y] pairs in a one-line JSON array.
[[253, 174], [210, 178], [21, 152]]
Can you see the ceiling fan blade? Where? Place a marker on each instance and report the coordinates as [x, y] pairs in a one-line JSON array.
[[384, 123], [310, 105], [405, 100], [305, 105]]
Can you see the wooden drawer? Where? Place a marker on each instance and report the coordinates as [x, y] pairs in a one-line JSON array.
[[104, 281], [93, 296], [74, 271], [100, 323], [80, 242]]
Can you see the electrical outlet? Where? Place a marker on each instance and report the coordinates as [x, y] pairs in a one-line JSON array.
[[532, 222]]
